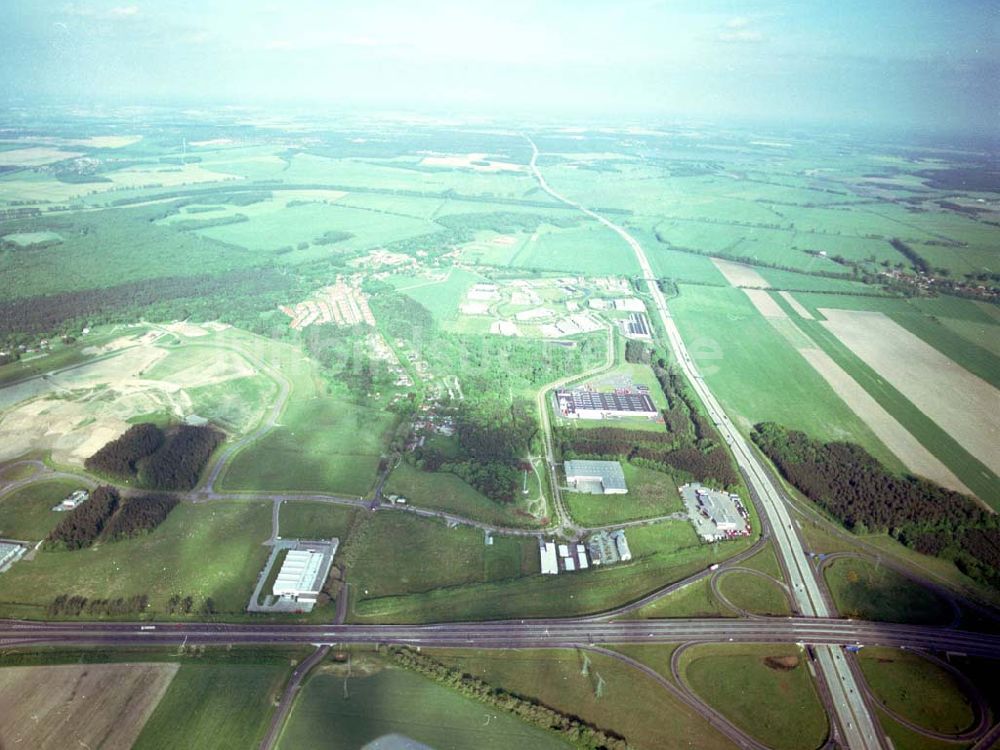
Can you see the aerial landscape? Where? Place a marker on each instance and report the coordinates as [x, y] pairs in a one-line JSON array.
[[591, 376]]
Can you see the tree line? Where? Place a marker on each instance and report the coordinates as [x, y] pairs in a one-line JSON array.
[[852, 485], [571, 728], [155, 459]]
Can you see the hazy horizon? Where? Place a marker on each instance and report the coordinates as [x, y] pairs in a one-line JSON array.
[[896, 66]]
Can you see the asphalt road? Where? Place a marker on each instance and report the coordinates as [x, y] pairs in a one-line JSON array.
[[848, 700], [516, 634]]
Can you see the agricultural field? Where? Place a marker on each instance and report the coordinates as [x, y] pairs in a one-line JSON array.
[[215, 706], [766, 690], [759, 375], [380, 702], [313, 520], [596, 687], [650, 494], [204, 551], [80, 705]]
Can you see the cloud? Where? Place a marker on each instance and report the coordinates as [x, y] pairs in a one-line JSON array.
[[739, 22], [101, 14], [124, 11], [740, 36]]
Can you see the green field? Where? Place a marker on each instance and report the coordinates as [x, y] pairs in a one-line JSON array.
[[323, 445], [215, 706], [758, 376], [754, 594], [764, 689], [662, 553], [694, 600], [407, 554], [209, 550], [861, 590], [591, 250], [306, 520], [917, 689], [650, 494], [27, 513], [444, 491], [333, 712], [442, 298], [630, 703]]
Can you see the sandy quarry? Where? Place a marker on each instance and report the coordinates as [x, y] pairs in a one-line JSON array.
[[73, 413], [738, 274], [79, 705], [961, 403]]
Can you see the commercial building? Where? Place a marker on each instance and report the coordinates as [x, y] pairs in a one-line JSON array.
[[596, 477], [716, 515], [582, 404]]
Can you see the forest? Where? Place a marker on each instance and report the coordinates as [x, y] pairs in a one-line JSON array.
[[157, 459], [849, 483], [107, 517]]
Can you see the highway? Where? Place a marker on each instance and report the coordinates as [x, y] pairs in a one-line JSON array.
[[573, 632], [853, 713]]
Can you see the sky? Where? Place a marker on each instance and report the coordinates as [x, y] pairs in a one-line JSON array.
[[927, 64]]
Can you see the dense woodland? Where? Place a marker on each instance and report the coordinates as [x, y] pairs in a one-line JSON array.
[[849, 483], [82, 526], [157, 459], [139, 515], [572, 728], [492, 441]]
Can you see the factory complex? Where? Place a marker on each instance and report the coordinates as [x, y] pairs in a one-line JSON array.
[[587, 404], [603, 548], [716, 515], [596, 477]]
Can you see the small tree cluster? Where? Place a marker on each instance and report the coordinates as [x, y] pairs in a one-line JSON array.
[[84, 524]]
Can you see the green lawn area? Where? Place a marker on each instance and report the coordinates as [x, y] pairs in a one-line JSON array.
[[589, 249], [694, 600], [333, 712], [758, 375], [861, 590], [444, 491], [917, 689], [754, 594], [323, 445], [442, 298], [27, 513], [301, 519], [650, 493], [630, 703], [764, 689], [208, 550], [214, 706], [662, 553], [406, 554]]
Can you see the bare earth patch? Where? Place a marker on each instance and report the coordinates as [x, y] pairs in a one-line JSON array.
[[961, 403], [34, 156], [796, 305], [79, 705], [738, 274], [765, 303]]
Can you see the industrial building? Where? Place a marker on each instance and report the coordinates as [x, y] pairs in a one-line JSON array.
[[72, 501], [596, 477], [300, 579], [582, 404], [608, 548], [9, 554], [562, 558], [637, 326]]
